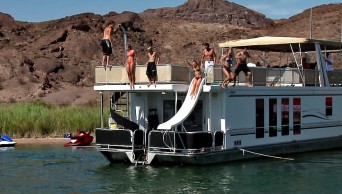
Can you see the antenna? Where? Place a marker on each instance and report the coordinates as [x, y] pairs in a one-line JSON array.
[[125, 41], [311, 23]]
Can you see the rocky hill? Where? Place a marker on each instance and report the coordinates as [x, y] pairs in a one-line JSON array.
[[55, 60], [212, 11], [326, 23]]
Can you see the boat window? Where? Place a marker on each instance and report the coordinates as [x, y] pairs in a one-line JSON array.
[[259, 118], [194, 121], [328, 106], [273, 117], [285, 128], [296, 116], [169, 109]]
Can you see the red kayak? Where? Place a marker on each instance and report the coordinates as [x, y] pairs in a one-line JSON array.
[[81, 139]]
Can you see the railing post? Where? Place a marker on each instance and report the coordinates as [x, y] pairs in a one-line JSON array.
[[101, 106]]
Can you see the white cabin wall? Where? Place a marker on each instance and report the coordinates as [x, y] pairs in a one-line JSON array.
[[240, 113], [139, 109], [314, 105], [217, 109]]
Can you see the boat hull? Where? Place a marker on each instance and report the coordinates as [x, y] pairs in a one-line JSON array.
[[7, 144], [222, 156], [116, 157]]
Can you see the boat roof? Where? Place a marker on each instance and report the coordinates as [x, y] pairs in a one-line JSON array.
[[281, 44]]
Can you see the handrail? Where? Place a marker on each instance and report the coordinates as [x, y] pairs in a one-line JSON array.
[[178, 74], [170, 144]]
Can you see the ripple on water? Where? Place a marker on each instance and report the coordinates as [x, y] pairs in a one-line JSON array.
[[55, 169]]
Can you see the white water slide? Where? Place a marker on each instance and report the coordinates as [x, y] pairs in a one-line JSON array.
[[185, 110]]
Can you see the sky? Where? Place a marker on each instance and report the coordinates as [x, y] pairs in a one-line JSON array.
[[44, 10]]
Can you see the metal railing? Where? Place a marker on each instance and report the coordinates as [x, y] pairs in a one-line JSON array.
[[181, 74], [185, 142], [119, 139]]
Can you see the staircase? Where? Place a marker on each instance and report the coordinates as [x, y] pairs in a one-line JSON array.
[[120, 104], [119, 112]]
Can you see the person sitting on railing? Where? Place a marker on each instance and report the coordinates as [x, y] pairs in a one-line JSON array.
[[198, 76], [305, 64], [329, 62], [242, 66], [227, 61]]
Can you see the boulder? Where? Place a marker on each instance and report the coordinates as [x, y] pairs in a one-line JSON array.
[[47, 65], [81, 26]]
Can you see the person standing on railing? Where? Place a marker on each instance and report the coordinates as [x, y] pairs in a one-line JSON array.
[[242, 66], [198, 76], [130, 65], [329, 62], [152, 62], [208, 59], [106, 42], [227, 60]]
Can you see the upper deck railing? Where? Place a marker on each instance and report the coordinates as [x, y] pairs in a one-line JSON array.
[[176, 74]]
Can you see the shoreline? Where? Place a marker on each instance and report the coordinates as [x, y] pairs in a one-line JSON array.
[[41, 141]]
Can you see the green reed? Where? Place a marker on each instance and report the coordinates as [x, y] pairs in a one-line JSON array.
[[38, 119]]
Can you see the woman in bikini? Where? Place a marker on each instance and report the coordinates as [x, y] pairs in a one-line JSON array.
[[130, 65], [226, 61], [198, 76]]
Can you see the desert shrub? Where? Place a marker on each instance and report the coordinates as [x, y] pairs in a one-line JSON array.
[[12, 100]]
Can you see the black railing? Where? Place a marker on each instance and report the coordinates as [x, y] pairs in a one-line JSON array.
[[170, 141]]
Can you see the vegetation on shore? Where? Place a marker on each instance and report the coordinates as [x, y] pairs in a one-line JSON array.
[[38, 119]]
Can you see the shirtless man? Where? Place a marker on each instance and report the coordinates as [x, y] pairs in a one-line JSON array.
[[151, 71], [208, 58], [242, 66], [106, 42]]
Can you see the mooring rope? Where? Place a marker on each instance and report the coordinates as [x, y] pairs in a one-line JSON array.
[[269, 156]]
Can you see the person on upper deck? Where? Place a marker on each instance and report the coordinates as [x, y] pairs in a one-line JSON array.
[[208, 58], [242, 66], [198, 76], [305, 64], [130, 65], [152, 62], [329, 62], [227, 60], [106, 42]]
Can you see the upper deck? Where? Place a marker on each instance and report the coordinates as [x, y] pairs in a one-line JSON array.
[[177, 77], [181, 75]]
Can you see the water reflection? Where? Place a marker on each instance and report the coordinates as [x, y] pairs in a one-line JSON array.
[[4, 149], [175, 179]]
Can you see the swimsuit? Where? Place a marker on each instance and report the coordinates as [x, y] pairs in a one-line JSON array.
[[197, 72], [208, 64], [106, 47], [242, 67], [151, 69], [130, 54], [227, 68]]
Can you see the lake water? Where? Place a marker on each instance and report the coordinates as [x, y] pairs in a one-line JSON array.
[[56, 169]]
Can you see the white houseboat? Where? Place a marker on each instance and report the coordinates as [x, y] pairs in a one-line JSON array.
[[288, 110]]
